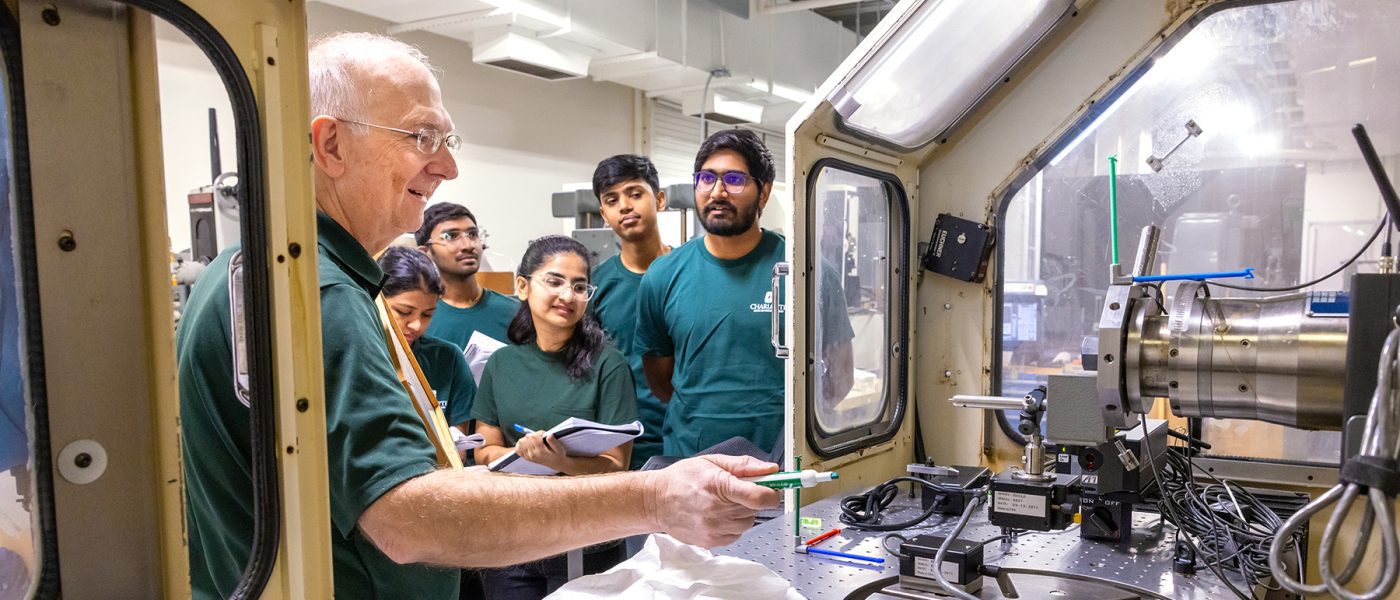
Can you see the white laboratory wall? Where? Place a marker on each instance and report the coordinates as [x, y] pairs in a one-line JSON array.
[[1341, 206], [188, 89], [523, 139]]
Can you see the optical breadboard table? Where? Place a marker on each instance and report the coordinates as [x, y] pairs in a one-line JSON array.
[[1041, 565]]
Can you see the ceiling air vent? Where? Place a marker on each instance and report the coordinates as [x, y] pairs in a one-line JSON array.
[[529, 56]]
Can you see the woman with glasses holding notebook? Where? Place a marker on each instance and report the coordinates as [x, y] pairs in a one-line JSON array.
[[561, 366]]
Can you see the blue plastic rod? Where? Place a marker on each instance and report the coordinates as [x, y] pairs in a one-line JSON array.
[[1247, 274]]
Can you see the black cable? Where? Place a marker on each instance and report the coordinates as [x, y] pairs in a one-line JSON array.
[[1004, 422], [1194, 442], [898, 552], [1239, 540], [1339, 269], [863, 511], [1168, 510]]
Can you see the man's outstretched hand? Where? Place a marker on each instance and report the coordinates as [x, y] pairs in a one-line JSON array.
[[702, 501]]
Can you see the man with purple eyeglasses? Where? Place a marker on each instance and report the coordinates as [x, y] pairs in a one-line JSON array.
[[704, 310]]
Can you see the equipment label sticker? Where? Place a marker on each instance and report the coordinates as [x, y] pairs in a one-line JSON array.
[[1019, 504], [923, 567]]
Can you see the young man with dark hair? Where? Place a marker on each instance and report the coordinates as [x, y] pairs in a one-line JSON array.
[[450, 236], [704, 310], [629, 197]]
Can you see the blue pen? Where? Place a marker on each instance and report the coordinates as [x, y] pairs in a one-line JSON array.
[[810, 550], [528, 431]]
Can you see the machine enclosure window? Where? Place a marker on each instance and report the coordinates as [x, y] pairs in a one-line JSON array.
[[1273, 182], [857, 329]]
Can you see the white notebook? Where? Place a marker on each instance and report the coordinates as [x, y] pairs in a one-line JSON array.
[[580, 437], [479, 349]]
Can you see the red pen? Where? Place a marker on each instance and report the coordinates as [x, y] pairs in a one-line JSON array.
[[823, 537]]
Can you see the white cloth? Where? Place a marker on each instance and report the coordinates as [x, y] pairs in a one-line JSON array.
[[667, 569], [464, 442]]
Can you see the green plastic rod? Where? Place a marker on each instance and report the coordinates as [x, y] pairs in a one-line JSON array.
[[1113, 205], [797, 505]]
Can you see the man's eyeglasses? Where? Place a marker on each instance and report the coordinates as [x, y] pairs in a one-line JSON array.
[[429, 138], [474, 235], [734, 181], [557, 285]]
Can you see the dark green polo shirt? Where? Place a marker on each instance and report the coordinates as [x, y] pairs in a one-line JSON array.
[[713, 316], [448, 374], [375, 439], [491, 316], [528, 386], [615, 303]]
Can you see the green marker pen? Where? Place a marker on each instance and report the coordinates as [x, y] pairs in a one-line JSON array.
[[792, 479]]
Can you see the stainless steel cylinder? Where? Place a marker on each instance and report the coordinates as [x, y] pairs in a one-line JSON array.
[[989, 402], [1263, 359]]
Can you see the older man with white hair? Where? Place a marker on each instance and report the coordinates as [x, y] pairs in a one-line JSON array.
[[382, 142]]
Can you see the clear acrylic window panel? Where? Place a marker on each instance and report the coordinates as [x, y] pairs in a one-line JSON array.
[[19, 530], [1274, 182], [851, 284], [940, 64]]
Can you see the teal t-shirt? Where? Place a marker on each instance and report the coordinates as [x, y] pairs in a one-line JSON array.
[[527, 386], [374, 438], [491, 316], [713, 316], [615, 303], [448, 374]]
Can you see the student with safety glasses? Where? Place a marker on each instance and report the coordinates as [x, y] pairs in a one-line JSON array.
[[451, 237]]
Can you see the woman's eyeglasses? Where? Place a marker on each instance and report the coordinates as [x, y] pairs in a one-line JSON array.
[[557, 286]]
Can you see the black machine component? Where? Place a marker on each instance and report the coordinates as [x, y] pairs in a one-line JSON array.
[[962, 564], [960, 489], [1048, 505], [1107, 517], [1102, 467], [1374, 297], [960, 248]]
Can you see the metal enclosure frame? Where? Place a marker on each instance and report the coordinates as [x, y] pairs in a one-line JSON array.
[[123, 534]]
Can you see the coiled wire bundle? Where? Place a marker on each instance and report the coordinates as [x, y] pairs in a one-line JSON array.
[[1233, 529], [1379, 445]]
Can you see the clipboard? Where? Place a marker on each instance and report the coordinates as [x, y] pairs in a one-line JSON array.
[[420, 393]]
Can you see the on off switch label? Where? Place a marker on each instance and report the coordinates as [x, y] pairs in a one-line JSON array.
[[1019, 504]]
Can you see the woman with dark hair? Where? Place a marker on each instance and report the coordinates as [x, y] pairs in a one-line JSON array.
[[411, 291], [560, 367]]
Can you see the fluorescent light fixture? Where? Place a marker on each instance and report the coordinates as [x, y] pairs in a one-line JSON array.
[[723, 109], [786, 92], [1365, 61], [940, 64], [793, 94]]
